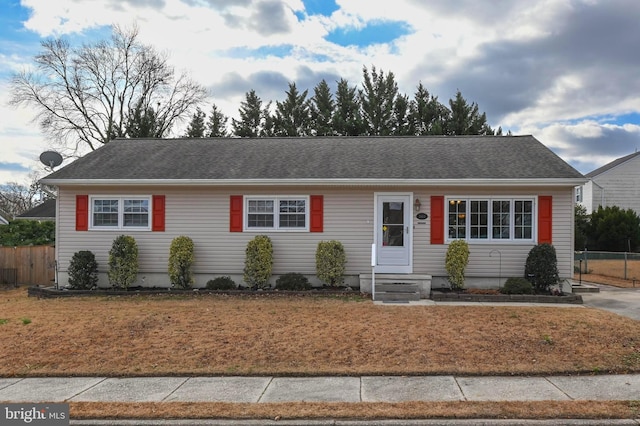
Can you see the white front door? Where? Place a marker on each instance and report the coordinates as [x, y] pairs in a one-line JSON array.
[[394, 233]]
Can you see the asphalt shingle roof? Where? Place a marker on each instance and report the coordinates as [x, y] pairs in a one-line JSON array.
[[439, 157], [46, 209]]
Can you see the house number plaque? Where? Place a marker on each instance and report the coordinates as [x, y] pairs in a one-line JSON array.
[[421, 216]]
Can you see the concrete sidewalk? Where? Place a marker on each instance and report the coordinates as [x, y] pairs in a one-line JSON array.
[[320, 389]]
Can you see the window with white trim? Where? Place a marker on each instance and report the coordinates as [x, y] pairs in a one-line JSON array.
[[120, 212], [578, 194], [490, 219], [288, 213]]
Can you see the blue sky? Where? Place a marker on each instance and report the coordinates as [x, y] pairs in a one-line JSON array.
[[565, 71]]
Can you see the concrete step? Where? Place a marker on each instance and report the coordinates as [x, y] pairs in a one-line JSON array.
[[422, 283], [396, 297], [584, 288], [397, 288], [397, 292]]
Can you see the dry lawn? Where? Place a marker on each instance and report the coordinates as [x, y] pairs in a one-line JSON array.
[[361, 411], [218, 335], [231, 335]]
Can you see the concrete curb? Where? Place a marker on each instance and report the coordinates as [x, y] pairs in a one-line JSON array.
[[404, 422]]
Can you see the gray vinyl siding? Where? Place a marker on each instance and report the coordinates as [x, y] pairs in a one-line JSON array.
[[590, 196], [619, 186], [430, 258], [202, 213]]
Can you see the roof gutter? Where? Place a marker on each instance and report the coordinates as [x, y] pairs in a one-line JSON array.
[[319, 182]]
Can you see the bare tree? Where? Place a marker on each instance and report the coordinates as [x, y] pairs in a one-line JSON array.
[[16, 198], [84, 95]]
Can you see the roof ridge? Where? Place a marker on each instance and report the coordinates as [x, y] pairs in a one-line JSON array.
[[612, 164]]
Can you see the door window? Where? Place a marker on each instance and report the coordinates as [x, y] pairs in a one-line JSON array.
[[393, 224]]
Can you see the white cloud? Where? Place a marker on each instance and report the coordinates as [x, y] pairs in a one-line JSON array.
[[542, 67], [20, 141]]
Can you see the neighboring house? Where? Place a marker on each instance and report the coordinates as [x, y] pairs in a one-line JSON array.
[[407, 196], [614, 184], [46, 211]]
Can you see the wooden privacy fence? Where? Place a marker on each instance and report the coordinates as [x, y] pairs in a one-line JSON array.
[[27, 265]]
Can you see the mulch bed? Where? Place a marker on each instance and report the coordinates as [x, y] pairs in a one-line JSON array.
[[440, 296], [52, 292], [471, 296]]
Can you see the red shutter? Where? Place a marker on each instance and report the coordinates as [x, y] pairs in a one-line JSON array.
[[82, 212], [317, 213], [545, 216], [158, 208], [437, 219], [235, 215]]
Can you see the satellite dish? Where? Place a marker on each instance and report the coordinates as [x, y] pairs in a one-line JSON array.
[[51, 159]]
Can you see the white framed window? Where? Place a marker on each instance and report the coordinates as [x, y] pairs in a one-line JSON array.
[[480, 219], [278, 213], [578, 194], [109, 212]]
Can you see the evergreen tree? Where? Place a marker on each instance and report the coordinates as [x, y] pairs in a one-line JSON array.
[[614, 229], [217, 124], [428, 116], [580, 228], [292, 116], [268, 122], [251, 123], [377, 99], [465, 118], [142, 122], [322, 106], [402, 124], [196, 126], [347, 120]]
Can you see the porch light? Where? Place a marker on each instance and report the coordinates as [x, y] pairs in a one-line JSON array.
[[416, 205]]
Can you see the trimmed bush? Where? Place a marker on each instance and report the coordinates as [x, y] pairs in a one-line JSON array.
[[123, 262], [541, 267], [180, 260], [258, 262], [293, 281], [330, 262], [83, 270], [517, 285], [456, 261], [221, 283]]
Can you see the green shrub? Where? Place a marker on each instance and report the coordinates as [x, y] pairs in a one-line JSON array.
[[123, 262], [293, 281], [258, 262], [330, 262], [221, 283], [83, 270], [517, 285], [456, 261], [541, 267], [22, 232], [181, 258]]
